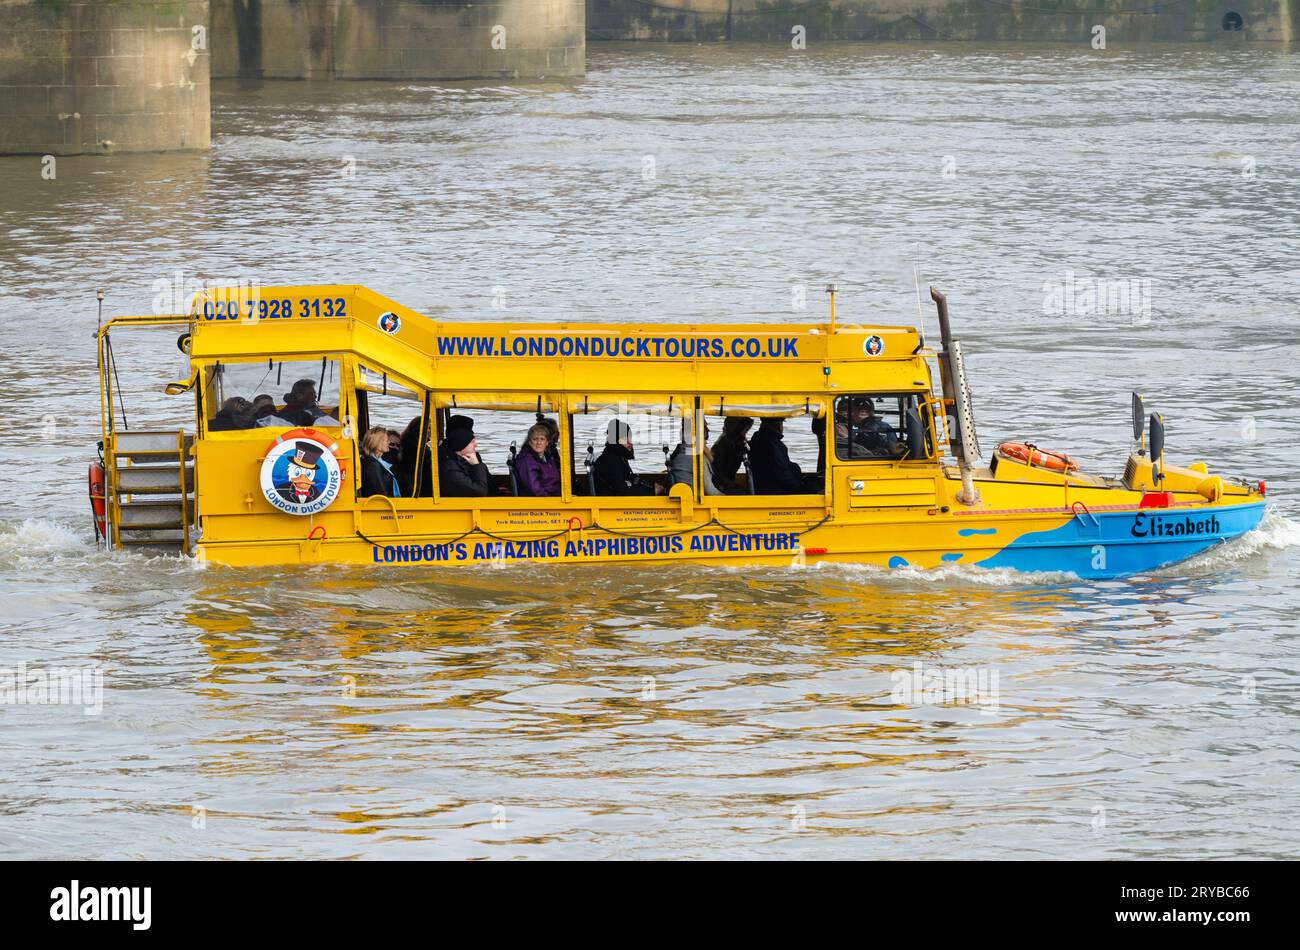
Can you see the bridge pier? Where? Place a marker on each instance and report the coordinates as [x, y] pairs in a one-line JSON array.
[[88, 76], [398, 39]]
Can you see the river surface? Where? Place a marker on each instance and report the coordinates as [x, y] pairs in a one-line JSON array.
[[542, 712]]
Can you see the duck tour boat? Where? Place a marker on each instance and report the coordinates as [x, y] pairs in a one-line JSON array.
[[332, 425]]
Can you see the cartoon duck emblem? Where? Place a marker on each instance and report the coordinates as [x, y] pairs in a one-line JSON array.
[[300, 476], [300, 482]]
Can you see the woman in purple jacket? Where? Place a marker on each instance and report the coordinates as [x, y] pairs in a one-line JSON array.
[[537, 473]]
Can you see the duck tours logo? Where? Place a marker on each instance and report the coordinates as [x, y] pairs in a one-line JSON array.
[[300, 476]]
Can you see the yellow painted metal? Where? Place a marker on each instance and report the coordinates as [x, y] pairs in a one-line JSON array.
[[871, 509]]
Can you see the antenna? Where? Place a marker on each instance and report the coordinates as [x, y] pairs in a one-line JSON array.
[[830, 289], [920, 317], [99, 320]]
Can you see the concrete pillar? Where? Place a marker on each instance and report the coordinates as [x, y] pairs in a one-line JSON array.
[[82, 76], [399, 39]]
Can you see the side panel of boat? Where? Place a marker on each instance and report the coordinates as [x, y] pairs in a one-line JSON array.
[[1113, 544], [1090, 545]]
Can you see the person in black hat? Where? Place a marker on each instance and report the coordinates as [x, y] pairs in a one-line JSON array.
[[461, 473], [614, 476], [299, 485]]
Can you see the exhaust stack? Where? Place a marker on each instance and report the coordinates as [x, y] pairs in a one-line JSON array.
[[956, 398]]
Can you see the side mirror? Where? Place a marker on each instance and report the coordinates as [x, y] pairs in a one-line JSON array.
[[1139, 414], [1157, 439]]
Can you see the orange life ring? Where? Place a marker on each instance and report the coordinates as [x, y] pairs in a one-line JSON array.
[[1033, 455], [321, 437], [97, 499]]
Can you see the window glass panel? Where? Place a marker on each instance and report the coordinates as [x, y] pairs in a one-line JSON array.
[[656, 433], [274, 393], [880, 426], [502, 438]]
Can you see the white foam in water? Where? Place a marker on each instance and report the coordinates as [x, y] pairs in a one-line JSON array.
[[36, 542], [948, 574], [40, 539], [1276, 532]]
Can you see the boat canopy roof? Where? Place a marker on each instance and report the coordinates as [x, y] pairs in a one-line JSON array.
[[507, 362]]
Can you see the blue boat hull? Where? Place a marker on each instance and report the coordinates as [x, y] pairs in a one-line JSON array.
[[1119, 543]]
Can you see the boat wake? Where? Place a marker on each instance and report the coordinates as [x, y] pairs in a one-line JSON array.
[[1276, 532], [33, 542]]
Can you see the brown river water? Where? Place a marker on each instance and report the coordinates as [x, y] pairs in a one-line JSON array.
[[552, 712]]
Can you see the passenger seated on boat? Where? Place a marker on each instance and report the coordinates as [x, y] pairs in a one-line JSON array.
[[265, 413], [300, 404], [770, 465], [405, 468], [863, 434], [393, 454], [536, 470], [613, 474], [729, 453], [236, 413], [377, 476], [553, 434], [461, 473], [681, 470], [263, 406]]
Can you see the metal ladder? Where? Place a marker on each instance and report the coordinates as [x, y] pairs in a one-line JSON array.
[[150, 486]]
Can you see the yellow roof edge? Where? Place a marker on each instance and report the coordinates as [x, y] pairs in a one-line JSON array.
[[379, 301]]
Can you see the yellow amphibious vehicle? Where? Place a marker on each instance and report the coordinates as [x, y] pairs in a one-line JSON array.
[[897, 481]]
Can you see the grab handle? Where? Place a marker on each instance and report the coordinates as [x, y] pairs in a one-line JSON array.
[[1079, 513]]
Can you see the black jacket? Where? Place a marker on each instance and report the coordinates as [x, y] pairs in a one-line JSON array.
[[405, 467], [728, 456], [375, 480], [458, 478], [770, 465], [614, 476]]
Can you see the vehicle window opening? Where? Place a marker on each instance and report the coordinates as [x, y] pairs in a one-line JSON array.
[[507, 446], [791, 457], [631, 449], [393, 406], [242, 397], [881, 426]]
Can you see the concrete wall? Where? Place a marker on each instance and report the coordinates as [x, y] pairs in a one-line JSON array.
[[981, 20], [390, 39], [82, 76]]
